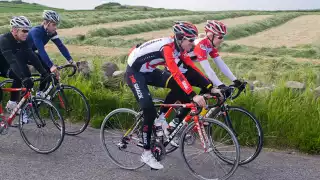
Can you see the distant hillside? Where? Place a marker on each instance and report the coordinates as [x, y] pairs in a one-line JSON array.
[[114, 6], [19, 6]]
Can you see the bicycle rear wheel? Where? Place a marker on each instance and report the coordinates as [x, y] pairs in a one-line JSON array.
[[247, 130], [205, 164], [120, 134], [74, 107], [40, 132]]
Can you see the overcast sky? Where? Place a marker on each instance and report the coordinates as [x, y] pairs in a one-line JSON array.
[[191, 5]]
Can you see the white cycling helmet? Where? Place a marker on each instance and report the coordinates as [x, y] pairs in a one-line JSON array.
[[51, 16], [20, 22]]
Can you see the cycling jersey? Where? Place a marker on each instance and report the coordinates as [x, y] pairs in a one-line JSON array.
[[163, 51], [9, 48], [38, 38], [203, 48], [14, 58]]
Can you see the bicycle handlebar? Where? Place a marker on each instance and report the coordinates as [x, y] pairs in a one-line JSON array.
[[242, 88], [67, 66], [62, 67], [208, 96]]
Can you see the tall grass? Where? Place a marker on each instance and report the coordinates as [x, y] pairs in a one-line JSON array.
[[158, 25], [289, 119], [244, 30]]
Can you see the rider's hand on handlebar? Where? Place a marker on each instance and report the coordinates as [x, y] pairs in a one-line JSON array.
[[70, 61], [225, 90], [217, 91], [199, 100], [27, 83], [54, 69], [239, 84]]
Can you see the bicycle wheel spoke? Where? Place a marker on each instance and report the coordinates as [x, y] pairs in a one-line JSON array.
[[209, 164], [46, 136], [249, 133], [75, 108]]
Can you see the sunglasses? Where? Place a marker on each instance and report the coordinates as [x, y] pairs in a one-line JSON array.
[[24, 30], [190, 39], [220, 37]]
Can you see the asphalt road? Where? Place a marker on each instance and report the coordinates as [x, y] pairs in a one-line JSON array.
[[82, 157]]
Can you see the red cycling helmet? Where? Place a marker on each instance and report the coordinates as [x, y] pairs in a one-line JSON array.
[[186, 30], [215, 27]]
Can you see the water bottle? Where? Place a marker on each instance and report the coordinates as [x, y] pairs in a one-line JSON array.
[[159, 130], [173, 124]]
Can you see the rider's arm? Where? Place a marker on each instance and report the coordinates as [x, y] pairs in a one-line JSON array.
[[6, 51], [36, 62], [64, 51], [210, 73], [207, 84], [224, 68], [37, 41], [176, 74], [202, 57]]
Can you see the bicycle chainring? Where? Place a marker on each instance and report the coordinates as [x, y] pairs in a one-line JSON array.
[[158, 151]]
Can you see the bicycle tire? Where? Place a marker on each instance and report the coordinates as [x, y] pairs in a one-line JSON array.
[[257, 126], [105, 145], [60, 124], [86, 104], [234, 140]]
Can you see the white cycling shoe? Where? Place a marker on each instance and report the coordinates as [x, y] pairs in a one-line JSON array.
[[148, 158]]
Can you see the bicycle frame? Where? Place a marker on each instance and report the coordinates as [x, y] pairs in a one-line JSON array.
[[16, 109], [191, 116]]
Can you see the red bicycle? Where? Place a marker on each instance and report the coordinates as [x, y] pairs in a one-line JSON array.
[[43, 121], [121, 138]]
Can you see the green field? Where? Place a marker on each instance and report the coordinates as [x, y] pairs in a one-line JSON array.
[[290, 118]]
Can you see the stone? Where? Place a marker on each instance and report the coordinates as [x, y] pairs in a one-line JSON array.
[[109, 68], [295, 85]]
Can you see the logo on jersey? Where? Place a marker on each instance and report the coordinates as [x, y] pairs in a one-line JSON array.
[[138, 90], [136, 87], [133, 80], [185, 85], [203, 47], [148, 43]]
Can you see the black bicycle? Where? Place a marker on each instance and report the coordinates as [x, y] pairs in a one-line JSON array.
[[69, 100]]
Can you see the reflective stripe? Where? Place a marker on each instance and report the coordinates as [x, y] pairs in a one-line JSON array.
[[55, 37]]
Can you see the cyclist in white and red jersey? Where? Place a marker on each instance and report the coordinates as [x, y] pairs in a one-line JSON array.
[[142, 70], [204, 47], [207, 46]]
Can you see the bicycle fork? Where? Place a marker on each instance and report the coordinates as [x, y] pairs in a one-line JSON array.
[[202, 134]]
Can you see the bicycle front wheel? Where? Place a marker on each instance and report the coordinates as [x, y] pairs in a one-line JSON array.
[[206, 163], [120, 135], [38, 124], [74, 107]]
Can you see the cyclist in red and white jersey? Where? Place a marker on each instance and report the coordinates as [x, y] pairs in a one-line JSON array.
[[207, 46], [142, 70]]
